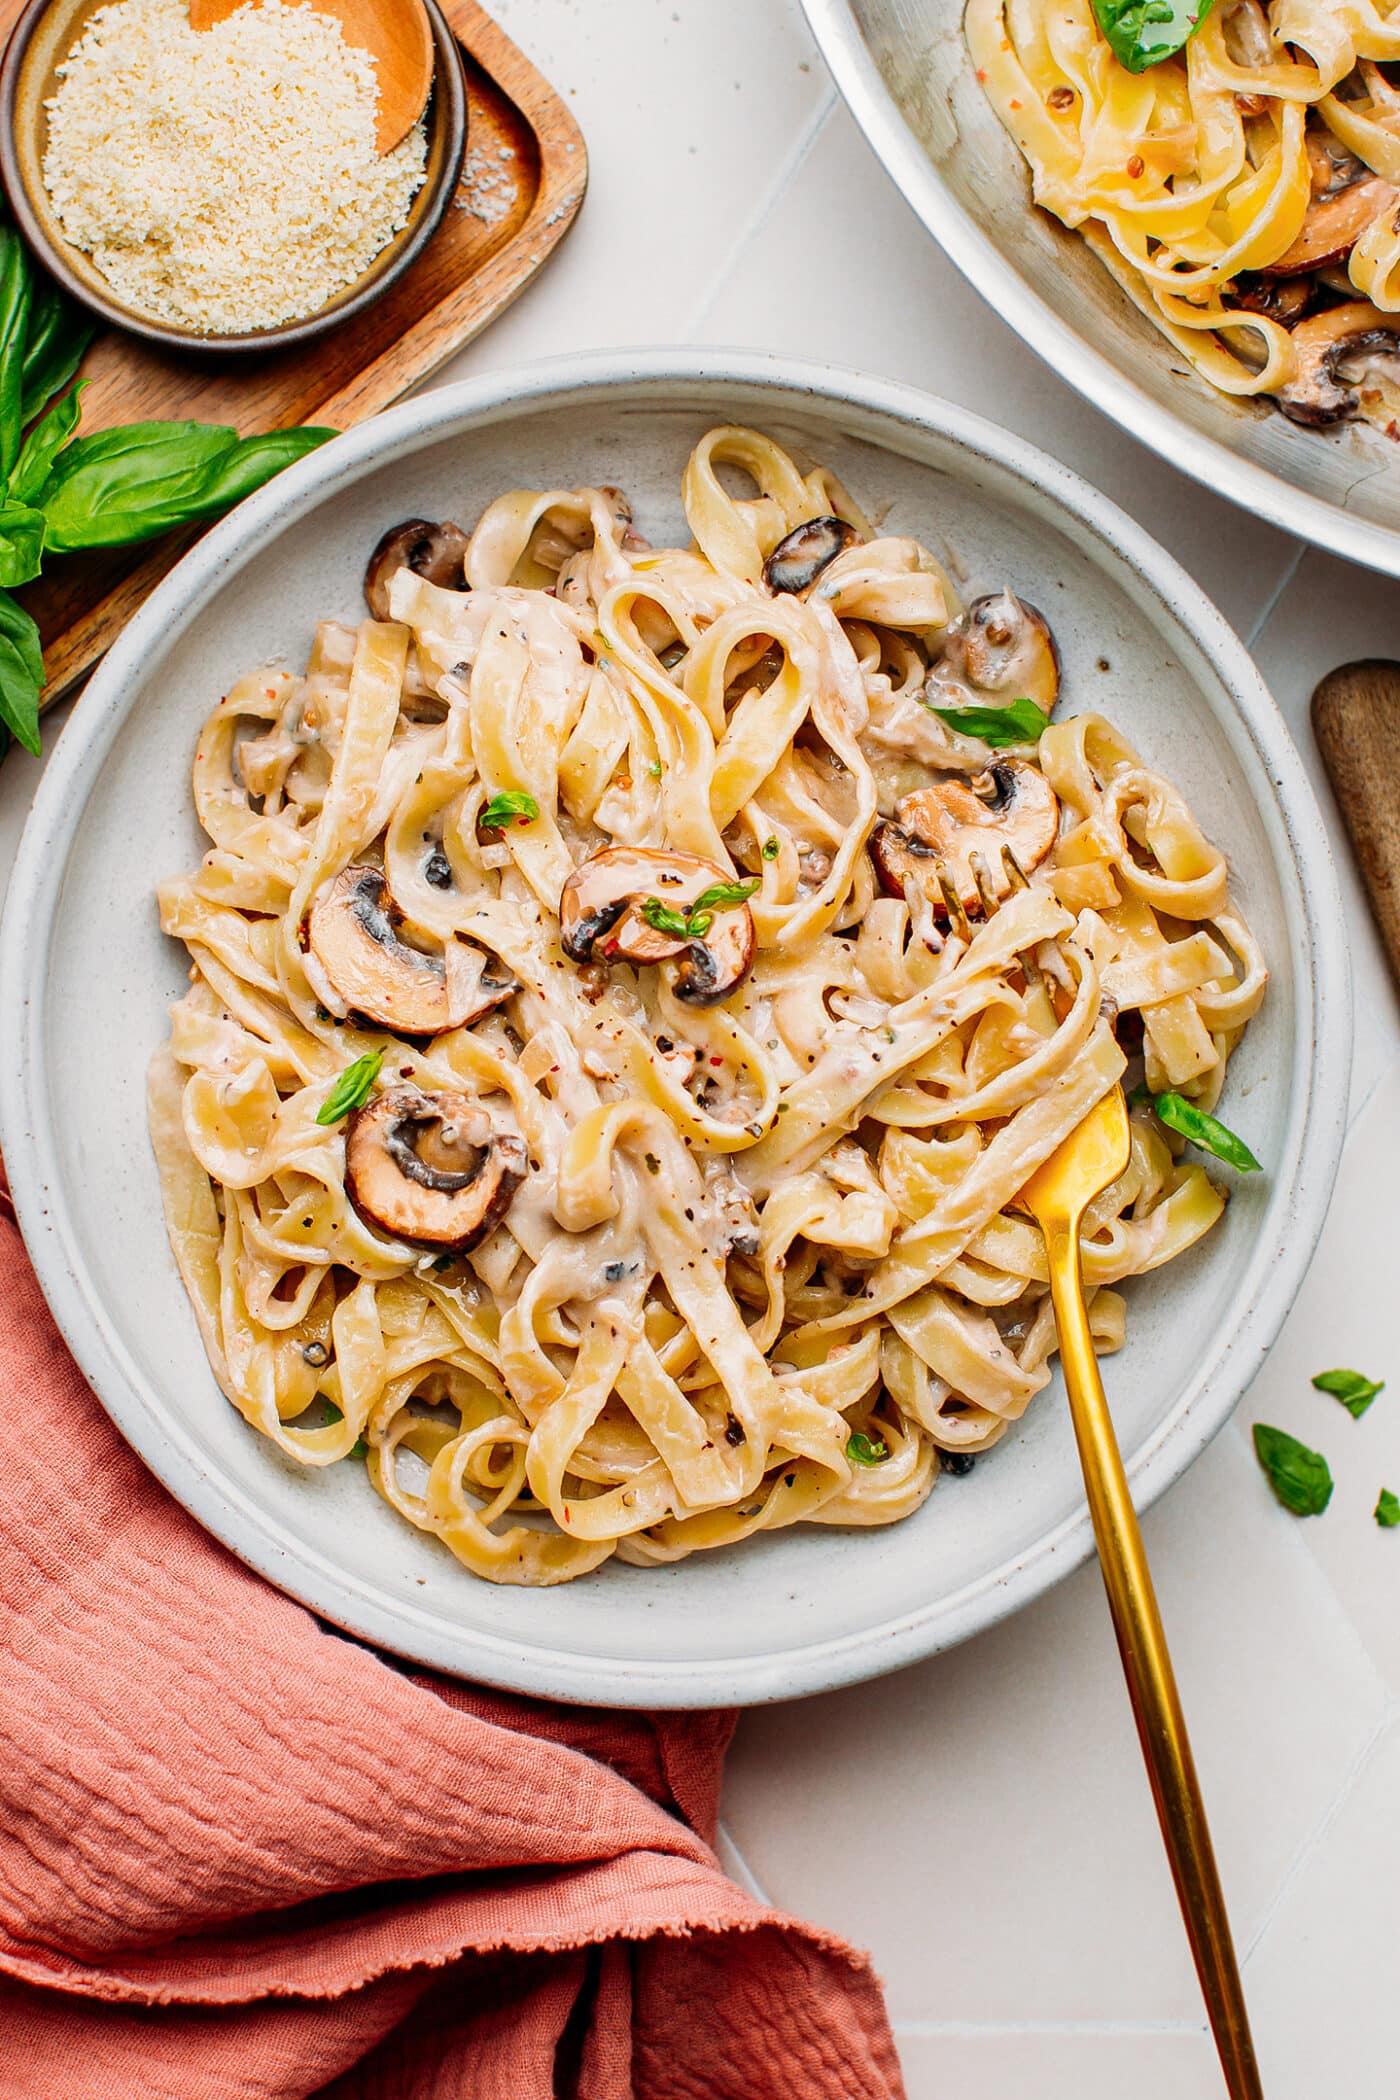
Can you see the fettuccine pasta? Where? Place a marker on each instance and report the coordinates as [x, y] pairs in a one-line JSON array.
[[628, 989], [1245, 192]]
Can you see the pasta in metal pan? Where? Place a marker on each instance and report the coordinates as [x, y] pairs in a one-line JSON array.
[[628, 988], [1244, 188]]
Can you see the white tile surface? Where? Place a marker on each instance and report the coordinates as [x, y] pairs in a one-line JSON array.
[[1048, 2066], [982, 1823], [986, 1828]]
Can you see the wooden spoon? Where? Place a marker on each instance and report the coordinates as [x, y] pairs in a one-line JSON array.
[[1356, 718], [398, 37]]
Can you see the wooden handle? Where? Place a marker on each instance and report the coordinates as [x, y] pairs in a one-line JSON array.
[[1356, 719], [397, 36], [1147, 1665]]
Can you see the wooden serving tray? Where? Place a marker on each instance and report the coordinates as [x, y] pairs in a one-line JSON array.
[[521, 186]]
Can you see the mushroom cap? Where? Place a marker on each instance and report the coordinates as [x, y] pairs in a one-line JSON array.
[[1319, 393], [960, 831], [1001, 648], [601, 919], [429, 1168], [801, 555], [436, 552], [352, 933]]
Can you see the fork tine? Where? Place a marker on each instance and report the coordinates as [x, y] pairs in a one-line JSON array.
[[982, 876], [957, 914]]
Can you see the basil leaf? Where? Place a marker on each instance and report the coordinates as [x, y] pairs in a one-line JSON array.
[[663, 918], [721, 894], [1350, 1387], [57, 336], [770, 849], [514, 806], [863, 1450], [255, 460], [119, 487], [1301, 1479], [21, 676], [21, 543], [1208, 1132], [16, 291], [1019, 722], [42, 447], [1388, 1510], [1141, 33], [352, 1089]]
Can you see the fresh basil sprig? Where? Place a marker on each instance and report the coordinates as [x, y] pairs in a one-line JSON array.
[[1019, 722], [1352, 1388], [1204, 1130], [60, 492], [514, 806], [21, 676], [692, 922], [1141, 33], [1301, 1479], [120, 487], [56, 341], [352, 1089], [863, 1450]]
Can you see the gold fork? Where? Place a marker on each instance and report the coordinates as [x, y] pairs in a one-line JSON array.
[[1091, 1158]]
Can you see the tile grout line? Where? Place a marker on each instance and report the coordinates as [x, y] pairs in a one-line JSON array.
[[746, 1877], [1272, 602], [1311, 1844], [767, 204], [992, 2030]]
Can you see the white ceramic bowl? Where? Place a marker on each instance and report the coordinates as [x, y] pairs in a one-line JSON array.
[[904, 69], [85, 977]]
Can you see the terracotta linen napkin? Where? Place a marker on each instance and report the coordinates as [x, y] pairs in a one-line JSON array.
[[244, 1858]]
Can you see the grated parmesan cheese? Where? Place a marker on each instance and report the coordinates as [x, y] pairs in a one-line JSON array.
[[226, 179]]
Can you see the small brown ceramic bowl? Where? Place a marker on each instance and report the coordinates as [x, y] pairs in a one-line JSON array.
[[42, 38]]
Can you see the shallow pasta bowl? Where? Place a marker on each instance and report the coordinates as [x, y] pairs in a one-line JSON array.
[[85, 979], [908, 78]]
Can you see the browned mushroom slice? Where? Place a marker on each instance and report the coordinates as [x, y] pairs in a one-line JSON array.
[[798, 560], [617, 905], [350, 937], [429, 1169], [1001, 649], [1333, 225], [1284, 299], [1337, 352], [959, 832], [435, 552]]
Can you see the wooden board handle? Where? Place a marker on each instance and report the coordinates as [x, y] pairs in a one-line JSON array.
[[1356, 719]]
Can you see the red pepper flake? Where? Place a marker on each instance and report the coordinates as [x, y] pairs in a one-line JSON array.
[[981, 76], [1136, 166], [716, 1060], [1012, 103]]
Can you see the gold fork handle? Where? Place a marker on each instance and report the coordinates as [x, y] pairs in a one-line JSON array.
[[1151, 1683]]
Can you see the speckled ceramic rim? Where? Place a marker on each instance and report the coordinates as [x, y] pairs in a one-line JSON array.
[[694, 381], [1067, 352], [448, 117]]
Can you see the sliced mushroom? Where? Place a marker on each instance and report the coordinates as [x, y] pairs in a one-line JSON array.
[[357, 963], [958, 833], [1001, 649], [435, 552], [1337, 351], [1334, 224], [1284, 299], [601, 919], [429, 1168], [798, 560]]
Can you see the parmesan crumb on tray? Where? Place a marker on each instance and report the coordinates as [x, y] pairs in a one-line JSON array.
[[224, 180]]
